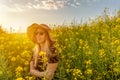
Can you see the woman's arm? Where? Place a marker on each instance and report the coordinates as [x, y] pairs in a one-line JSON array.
[[35, 72], [50, 70]]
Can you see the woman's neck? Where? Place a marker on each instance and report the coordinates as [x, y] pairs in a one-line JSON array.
[[41, 46]]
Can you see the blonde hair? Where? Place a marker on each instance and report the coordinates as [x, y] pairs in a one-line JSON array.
[[49, 41]]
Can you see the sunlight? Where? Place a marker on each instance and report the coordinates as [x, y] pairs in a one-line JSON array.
[[17, 25]]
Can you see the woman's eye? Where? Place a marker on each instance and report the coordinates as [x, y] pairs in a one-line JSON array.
[[40, 33]]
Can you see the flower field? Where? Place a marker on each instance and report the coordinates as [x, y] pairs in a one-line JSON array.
[[87, 52]]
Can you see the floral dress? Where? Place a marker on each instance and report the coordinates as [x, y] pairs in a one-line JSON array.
[[41, 66]]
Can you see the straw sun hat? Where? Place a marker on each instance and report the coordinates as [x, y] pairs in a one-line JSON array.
[[32, 28]]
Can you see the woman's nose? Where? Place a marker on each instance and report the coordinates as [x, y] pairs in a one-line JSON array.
[[38, 35]]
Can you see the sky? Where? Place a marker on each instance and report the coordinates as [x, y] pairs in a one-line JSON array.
[[19, 14]]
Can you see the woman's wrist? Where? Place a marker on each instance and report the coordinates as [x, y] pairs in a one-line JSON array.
[[48, 74]]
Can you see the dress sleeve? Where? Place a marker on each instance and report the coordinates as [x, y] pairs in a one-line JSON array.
[[54, 57]]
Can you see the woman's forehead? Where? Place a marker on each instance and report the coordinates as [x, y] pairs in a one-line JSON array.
[[40, 30]]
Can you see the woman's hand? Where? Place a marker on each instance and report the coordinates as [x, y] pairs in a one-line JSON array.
[[35, 72], [49, 75]]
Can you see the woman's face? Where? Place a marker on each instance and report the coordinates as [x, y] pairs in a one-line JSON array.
[[40, 36]]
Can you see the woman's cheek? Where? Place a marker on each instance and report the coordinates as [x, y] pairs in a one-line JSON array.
[[42, 39]]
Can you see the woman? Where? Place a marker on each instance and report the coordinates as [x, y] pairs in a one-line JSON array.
[[44, 60]]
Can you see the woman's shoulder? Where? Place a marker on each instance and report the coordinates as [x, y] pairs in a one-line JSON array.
[[53, 49], [35, 49]]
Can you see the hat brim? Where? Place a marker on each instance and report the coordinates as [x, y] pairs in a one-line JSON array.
[[31, 31]]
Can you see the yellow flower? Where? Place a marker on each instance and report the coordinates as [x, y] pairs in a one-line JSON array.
[[89, 71], [68, 70], [75, 78], [116, 63], [64, 47], [44, 59], [77, 72], [77, 33], [88, 62], [118, 48], [26, 63], [81, 28], [101, 41], [112, 43], [118, 20], [42, 53], [25, 68], [101, 52], [86, 46], [29, 78], [69, 45], [117, 41], [44, 78], [13, 59], [116, 70], [19, 68], [66, 39], [80, 41], [118, 53], [1, 72], [20, 78], [18, 47], [88, 53]]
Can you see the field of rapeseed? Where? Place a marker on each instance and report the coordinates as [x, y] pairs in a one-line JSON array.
[[87, 51]]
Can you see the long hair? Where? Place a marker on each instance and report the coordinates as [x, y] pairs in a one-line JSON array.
[[49, 41]]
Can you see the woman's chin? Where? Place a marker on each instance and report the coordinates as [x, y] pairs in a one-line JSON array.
[[38, 42]]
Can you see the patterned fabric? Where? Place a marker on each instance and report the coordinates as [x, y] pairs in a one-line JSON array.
[[54, 58], [37, 78]]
